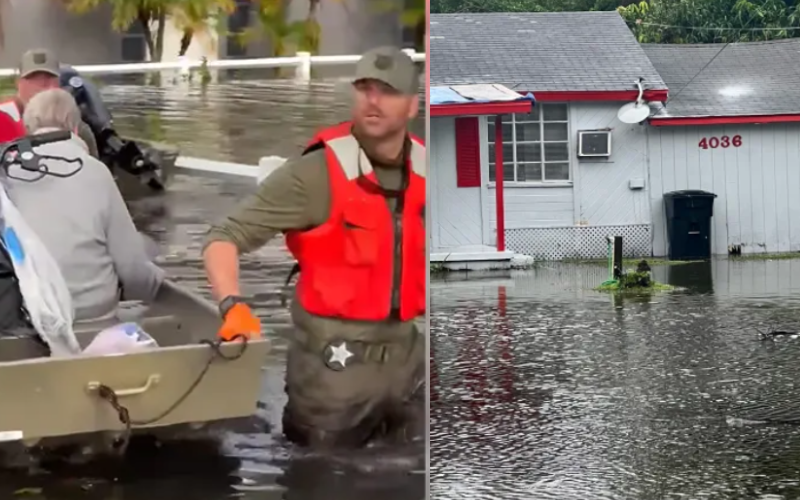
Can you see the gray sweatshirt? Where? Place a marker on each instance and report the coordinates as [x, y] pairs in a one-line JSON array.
[[84, 223]]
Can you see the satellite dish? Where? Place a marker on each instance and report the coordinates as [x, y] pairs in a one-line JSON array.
[[635, 112]]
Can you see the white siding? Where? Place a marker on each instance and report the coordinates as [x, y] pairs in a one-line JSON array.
[[530, 206], [604, 197], [455, 212], [597, 195], [757, 184], [525, 205]]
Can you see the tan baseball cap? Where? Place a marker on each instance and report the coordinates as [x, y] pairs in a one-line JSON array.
[[38, 61], [391, 66]]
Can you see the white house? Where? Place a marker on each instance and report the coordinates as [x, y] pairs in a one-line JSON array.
[[732, 129], [578, 174], [454, 210], [581, 67]]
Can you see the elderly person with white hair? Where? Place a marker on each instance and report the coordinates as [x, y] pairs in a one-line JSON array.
[[81, 219]]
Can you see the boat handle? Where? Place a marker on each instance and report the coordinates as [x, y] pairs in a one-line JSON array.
[[152, 380]]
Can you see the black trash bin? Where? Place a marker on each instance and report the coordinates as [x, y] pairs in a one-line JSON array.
[[689, 224]]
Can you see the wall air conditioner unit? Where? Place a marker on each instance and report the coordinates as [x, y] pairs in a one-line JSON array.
[[594, 143]]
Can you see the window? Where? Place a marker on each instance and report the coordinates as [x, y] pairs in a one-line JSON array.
[[535, 145], [134, 45]]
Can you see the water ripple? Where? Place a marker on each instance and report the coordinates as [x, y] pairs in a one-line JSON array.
[[552, 392], [234, 121]]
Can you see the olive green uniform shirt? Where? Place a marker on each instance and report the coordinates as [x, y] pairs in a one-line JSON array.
[[296, 196]]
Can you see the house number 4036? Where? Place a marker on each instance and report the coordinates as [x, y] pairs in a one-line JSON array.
[[724, 142]]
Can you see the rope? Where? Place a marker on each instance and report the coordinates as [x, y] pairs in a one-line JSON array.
[[107, 394]]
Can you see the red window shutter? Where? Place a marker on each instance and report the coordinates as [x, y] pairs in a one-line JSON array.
[[468, 153]]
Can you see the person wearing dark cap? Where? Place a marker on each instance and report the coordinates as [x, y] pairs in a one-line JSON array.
[[39, 70], [352, 209]]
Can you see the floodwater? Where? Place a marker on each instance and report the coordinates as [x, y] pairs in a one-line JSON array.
[[235, 121], [238, 121], [543, 389]]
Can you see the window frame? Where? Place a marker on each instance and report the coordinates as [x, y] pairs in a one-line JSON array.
[[515, 120]]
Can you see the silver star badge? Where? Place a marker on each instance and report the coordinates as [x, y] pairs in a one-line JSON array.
[[340, 354]]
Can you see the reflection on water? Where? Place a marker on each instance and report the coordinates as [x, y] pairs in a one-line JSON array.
[[236, 121], [544, 389], [233, 122]]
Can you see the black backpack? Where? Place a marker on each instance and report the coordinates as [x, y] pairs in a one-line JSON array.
[[13, 316]]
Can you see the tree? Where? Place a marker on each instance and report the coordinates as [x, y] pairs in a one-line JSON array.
[[412, 14], [453, 6], [191, 16], [708, 21], [198, 16], [667, 21], [271, 24]]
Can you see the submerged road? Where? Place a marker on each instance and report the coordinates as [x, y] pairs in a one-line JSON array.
[[543, 389], [239, 122]]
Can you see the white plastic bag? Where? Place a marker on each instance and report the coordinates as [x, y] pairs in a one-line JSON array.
[[44, 290], [124, 338]]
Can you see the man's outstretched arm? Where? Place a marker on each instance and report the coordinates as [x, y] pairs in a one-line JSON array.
[[283, 202]]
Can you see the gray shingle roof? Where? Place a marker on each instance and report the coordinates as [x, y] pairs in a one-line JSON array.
[[755, 78], [557, 51]]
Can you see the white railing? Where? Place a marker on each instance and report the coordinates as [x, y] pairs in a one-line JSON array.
[[302, 62]]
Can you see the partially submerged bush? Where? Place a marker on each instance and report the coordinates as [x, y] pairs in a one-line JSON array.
[[638, 279]]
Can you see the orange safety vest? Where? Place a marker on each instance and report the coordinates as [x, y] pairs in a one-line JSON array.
[[347, 263]]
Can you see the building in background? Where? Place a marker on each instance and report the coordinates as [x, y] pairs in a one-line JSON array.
[[732, 129], [581, 67], [724, 119], [87, 39], [347, 27]]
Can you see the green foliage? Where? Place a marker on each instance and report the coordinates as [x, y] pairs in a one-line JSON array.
[[283, 35], [619, 286], [635, 280], [437, 269], [196, 17], [708, 21], [413, 14], [766, 256], [667, 21], [192, 16], [451, 6]]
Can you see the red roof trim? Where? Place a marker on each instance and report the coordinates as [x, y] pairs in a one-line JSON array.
[[723, 120], [482, 108], [658, 95]]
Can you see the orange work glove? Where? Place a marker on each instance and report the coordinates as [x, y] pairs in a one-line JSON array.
[[240, 320]]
